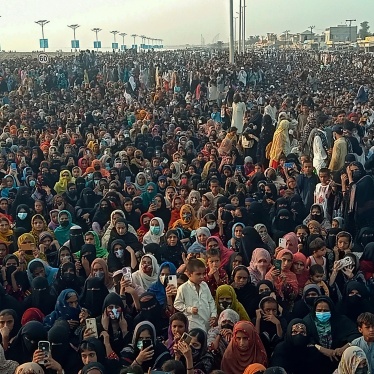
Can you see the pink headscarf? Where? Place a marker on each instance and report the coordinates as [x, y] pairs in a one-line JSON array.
[[291, 237], [225, 252], [304, 276], [256, 270]]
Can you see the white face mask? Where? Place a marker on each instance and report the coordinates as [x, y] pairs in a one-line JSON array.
[[162, 279], [211, 226], [118, 253], [115, 314], [65, 259]]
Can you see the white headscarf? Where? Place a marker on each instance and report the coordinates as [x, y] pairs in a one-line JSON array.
[[150, 238], [142, 279]]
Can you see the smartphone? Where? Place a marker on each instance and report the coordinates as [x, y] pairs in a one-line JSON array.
[[186, 338], [346, 261], [172, 279], [278, 264], [45, 347], [23, 159], [128, 179], [91, 324], [27, 248], [282, 242], [13, 166], [288, 165], [147, 343], [238, 168], [126, 272], [165, 161]]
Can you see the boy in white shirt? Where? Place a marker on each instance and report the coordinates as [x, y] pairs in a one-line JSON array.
[[323, 189], [194, 298]]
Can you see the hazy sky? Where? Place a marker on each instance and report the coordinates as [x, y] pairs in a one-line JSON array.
[[177, 22]]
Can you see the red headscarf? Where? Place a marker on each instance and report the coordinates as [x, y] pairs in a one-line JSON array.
[[304, 276], [32, 314], [225, 252], [142, 230], [234, 360]]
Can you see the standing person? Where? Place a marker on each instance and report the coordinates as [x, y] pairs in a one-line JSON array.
[[306, 184], [271, 110], [238, 113], [319, 145], [339, 149], [281, 143]]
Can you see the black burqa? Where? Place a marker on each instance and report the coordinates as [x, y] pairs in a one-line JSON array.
[[250, 240], [93, 296]]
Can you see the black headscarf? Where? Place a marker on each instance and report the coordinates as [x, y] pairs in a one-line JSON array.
[[250, 240], [76, 239], [41, 297], [163, 212], [89, 252], [25, 223], [93, 296], [115, 263]]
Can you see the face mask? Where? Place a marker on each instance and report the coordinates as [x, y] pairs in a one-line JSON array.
[[118, 253], [9, 270], [356, 175], [227, 326], [265, 294], [155, 230], [225, 305], [316, 217], [310, 300], [30, 346], [22, 216], [363, 370], [32, 183], [97, 167], [268, 194], [64, 223], [100, 274], [187, 217], [323, 316], [162, 279], [211, 226], [299, 340], [73, 193], [65, 259], [68, 277], [115, 313], [195, 352], [354, 299]]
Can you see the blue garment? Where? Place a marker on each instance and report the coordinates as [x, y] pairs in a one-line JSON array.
[[147, 197], [62, 234], [233, 232], [216, 117], [367, 348], [50, 272], [62, 309], [157, 288], [5, 191]]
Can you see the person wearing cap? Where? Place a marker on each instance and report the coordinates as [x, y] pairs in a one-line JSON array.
[[339, 149]]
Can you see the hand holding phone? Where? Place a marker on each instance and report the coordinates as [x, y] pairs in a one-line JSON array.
[[45, 347], [91, 324]]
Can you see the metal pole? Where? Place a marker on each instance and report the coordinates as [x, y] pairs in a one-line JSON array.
[[240, 27], [235, 18], [244, 6], [231, 43]]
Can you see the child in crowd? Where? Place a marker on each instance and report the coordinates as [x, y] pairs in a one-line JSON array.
[[194, 298], [215, 275], [316, 276], [318, 249]]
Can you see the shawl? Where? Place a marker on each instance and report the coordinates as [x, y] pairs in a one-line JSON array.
[[141, 188], [6, 366], [254, 369], [29, 367], [225, 147], [143, 280], [142, 230], [304, 276], [147, 197], [351, 359], [62, 185], [7, 237], [292, 238], [235, 361], [225, 252], [177, 173], [149, 238], [192, 223], [281, 141], [256, 274], [45, 228], [227, 291], [206, 169]]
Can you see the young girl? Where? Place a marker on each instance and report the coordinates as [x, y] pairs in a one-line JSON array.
[[259, 265], [234, 242], [177, 326]]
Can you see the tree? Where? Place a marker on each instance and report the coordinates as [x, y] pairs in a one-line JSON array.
[[364, 30]]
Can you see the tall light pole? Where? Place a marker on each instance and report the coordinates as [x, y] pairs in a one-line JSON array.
[[74, 27], [42, 23], [240, 27], [114, 32], [311, 32], [231, 41], [244, 6], [96, 30], [134, 36], [286, 32], [235, 18], [350, 25], [123, 34]]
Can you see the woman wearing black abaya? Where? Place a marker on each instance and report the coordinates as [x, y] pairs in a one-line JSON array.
[[283, 223], [266, 137], [101, 215], [85, 208], [25, 343], [37, 157], [119, 257], [66, 277], [162, 211], [23, 217], [93, 296], [40, 297], [256, 214], [295, 354], [298, 209], [250, 241], [23, 196], [355, 301]]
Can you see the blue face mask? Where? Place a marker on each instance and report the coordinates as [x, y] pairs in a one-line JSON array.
[[155, 230], [32, 183], [22, 216], [323, 316]]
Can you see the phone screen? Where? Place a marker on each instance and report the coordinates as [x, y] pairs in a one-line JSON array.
[[278, 264]]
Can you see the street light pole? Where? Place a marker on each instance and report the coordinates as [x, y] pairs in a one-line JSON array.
[[231, 42], [96, 30], [244, 6], [114, 32], [240, 27], [311, 32], [134, 36], [42, 23], [74, 27], [123, 34]]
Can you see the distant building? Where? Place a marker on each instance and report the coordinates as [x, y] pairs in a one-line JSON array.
[[340, 34]]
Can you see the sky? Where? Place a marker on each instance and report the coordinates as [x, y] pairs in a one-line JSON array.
[[176, 22]]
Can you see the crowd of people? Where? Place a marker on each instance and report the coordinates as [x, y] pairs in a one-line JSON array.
[[171, 212]]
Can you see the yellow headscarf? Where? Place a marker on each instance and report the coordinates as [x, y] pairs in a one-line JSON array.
[[62, 185], [279, 140], [28, 257], [205, 171]]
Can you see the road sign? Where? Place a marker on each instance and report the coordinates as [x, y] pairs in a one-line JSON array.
[[43, 43], [97, 44], [123, 47], [75, 44], [43, 58], [114, 45]]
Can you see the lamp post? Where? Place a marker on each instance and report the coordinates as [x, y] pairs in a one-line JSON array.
[[235, 18], [231, 42], [244, 6], [96, 30], [42, 23], [123, 34], [240, 27], [114, 32], [74, 27], [134, 36]]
